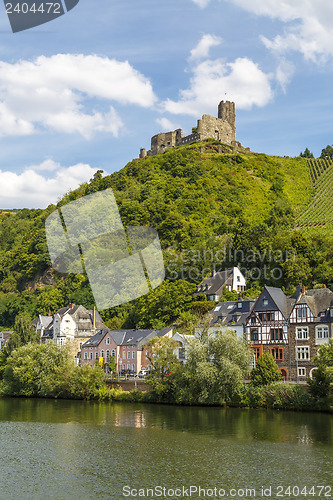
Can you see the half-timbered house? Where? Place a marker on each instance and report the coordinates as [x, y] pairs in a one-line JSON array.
[[311, 325], [266, 328]]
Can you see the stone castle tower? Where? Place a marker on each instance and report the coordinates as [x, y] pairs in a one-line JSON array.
[[222, 129]]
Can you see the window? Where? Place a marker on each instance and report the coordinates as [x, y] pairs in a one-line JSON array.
[[102, 353], [301, 372], [129, 355], [266, 316], [322, 332], [96, 355], [85, 355], [108, 340], [124, 355], [254, 335], [107, 354], [181, 352], [113, 352], [238, 278], [91, 355], [277, 353], [133, 354], [133, 368], [302, 333], [265, 302], [239, 305], [301, 312], [303, 353], [276, 333], [257, 352]]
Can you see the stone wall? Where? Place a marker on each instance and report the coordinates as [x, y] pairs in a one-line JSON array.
[[210, 127]]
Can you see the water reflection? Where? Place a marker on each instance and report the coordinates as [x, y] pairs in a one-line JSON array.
[[239, 424]]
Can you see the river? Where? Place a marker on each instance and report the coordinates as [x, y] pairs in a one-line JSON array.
[[85, 450]]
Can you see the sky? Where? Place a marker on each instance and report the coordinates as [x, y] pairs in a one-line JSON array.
[[87, 90]]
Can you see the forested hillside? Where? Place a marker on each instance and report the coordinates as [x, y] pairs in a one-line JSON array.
[[210, 208]]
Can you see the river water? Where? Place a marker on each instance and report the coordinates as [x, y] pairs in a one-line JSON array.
[[83, 450]]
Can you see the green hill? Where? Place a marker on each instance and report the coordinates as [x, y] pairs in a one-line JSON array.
[[320, 209], [211, 208]]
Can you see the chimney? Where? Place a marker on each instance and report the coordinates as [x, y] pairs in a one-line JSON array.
[[324, 286], [50, 313], [71, 305], [303, 289]]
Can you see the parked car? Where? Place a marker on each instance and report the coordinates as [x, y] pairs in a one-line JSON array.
[[142, 373]]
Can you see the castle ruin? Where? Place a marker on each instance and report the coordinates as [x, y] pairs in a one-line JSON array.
[[222, 129]]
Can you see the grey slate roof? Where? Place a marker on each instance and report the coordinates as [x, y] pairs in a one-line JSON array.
[[229, 314], [135, 337], [126, 337], [318, 300], [96, 339], [279, 298], [215, 283]]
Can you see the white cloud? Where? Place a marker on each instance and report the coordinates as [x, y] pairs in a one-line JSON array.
[[284, 73], [241, 81], [201, 3], [308, 29], [61, 93], [167, 125], [31, 189], [202, 49]]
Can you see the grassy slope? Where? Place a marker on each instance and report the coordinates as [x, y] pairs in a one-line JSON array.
[[188, 194], [319, 213]]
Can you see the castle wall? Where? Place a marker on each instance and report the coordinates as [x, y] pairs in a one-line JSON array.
[[210, 127], [222, 129], [161, 142]]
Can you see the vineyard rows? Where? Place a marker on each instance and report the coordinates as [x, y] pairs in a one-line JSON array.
[[320, 211]]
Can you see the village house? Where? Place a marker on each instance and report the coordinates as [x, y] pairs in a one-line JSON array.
[[267, 327], [71, 325], [184, 342], [231, 315], [4, 337], [126, 346], [311, 325], [231, 279]]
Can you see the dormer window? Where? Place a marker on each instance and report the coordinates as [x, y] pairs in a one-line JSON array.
[[301, 313], [239, 305]]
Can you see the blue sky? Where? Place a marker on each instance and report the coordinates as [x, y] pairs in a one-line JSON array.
[[86, 90]]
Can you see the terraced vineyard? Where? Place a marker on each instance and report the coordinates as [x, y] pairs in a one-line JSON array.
[[320, 211]]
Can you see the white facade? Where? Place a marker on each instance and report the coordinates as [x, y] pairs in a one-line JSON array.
[[63, 329], [238, 281]]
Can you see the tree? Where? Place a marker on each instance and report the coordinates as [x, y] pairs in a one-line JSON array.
[[112, 365], [322, 378], [37, 370], [165, 367], [266, 371], [24, 333], [47, 370], [328, 151], [307, 154], [215, 368]]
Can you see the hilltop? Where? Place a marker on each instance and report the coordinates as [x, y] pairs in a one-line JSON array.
[[202, 198]]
